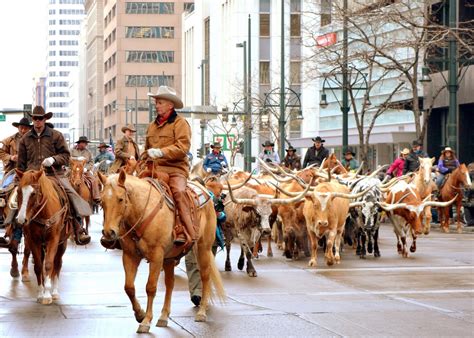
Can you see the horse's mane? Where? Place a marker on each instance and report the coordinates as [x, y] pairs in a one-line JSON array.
[[47, 188]]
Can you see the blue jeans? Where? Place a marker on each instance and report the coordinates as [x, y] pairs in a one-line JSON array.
[[439, 180]]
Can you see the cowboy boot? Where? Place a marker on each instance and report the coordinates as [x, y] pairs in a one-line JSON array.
[[80, 235], [184, 213]]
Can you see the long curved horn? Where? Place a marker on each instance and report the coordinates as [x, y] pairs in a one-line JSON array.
[[291, 193], [274, 170], [286, 201], [279, 179], [247, 201], [356, 204], [439, 204], [390, 207], [360, 168], [377, 171], [322, 163], [351, 196], [239, 185]]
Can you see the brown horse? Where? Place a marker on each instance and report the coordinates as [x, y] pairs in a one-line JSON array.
[[458, 179], [77, 180], [44, 216], [129, 201], [333, 165]]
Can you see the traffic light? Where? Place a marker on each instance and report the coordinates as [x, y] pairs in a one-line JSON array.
[[241, 147], [199, 153]]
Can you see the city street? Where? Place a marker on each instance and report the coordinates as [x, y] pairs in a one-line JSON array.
[[428, 294]]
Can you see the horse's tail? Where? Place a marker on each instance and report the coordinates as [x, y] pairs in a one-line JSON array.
[[216, 279]]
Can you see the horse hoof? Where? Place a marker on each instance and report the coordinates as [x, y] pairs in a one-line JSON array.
[[252, 273], [312, 263], [143, 328], [162, 323], [25, 278], [240, 264], [412, 249], [330, 262], [200, 318], [55, 296], [270, 254], [140, 316], [376, 254], [14, 272], [362, 256], [228, 268], [445, 229], [459, 230], [46, 301]]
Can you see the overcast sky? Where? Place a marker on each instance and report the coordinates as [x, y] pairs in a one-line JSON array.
[[23, 49]]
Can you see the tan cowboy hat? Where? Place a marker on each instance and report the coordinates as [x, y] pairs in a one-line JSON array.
[[128, 127], [448, 149], [38, 111], [405, 151], [82, 139], [168, 93]]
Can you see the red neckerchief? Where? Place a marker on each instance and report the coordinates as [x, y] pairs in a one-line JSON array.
[[163, 119], [216, 153]]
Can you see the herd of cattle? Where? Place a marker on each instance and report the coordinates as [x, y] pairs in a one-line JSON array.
[[314, 207]]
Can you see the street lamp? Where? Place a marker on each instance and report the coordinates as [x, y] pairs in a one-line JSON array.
[[288, 99], [352, 79]]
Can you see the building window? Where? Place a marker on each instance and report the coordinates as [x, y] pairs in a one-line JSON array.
[[52, 43], [295, 6], [189, 7], [325, 12], [264, 6], [149, 80], [295, 25], [295, 72], [149, 8], [150, 32], [150, 56], [264, 24], [264, 72]]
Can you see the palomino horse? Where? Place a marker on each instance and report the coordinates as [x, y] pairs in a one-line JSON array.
[[44, 214], [425, 185], [129, 201], [458, 179], [333, 165], [77, 180]]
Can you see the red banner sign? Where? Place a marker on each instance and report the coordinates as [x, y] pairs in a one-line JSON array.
[[326, 40]]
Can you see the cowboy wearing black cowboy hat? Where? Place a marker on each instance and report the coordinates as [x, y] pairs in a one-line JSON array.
[[9, 156], [268, 154], [316, 154], [349, 162], [292, 160], [412, 162], [215, 162]]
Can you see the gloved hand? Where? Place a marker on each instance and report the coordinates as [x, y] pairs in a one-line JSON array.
[[48, 162], [208, 170], [155, 152], [85, 169], [108, 162], [132, 157], [223, 164], [80, 158], [389, 176]]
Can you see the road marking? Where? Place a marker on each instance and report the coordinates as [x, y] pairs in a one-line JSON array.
[[399, 268], [431, 307], [360, 292]]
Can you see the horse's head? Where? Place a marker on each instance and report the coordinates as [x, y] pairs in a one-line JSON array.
[[464, 176], [114, 203], [130, 166], [28, 188], [77, 170], [424, 171]]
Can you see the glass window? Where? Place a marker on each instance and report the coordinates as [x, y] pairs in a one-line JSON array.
[[295, 72], [149, 80], [189, 7], [265, 6], [264, 24], [264, 72], [295, 6], [150, 56], [325, 12], [150, 32], [149, 8], [295, 25]]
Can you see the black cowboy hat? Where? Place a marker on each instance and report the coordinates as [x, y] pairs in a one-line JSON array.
[[82, 139], [290, 148], [103, 145], [23, 122], [318, 139], [216, 145], [38, 111], [416, 143], [268, 144], [349, 150]]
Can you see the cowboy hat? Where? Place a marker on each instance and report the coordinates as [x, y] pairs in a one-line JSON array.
[[23, 122], [82, 139], [349, 151], [405, 151], [128, 127], [448, 149], [318, 139], [167, 93], [290, 148], [38, 111], [268, 144], [103, 145], [216, 145]]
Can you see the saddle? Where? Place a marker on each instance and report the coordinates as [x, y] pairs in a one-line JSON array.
[[445, 179]]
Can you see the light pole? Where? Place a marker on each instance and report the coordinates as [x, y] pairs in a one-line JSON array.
[[202, 122], [150, 109], [451, 127], [345, 82], [281, 119]]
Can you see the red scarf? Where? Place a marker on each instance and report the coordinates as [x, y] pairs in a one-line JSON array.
[[164, 118]]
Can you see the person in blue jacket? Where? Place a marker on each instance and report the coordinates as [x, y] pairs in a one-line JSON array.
[[215, 162]]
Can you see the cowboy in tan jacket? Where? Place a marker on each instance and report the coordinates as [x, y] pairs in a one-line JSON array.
[[168, 140], [9, 146], [125, 149]]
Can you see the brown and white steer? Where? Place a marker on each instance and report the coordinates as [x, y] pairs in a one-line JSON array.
[[405, 208]]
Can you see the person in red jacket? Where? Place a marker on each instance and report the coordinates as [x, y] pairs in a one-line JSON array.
[[396, 169]]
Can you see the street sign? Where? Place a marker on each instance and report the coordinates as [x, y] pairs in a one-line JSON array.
[[27, 107], [326, 40], [226, 140], [3, 118]]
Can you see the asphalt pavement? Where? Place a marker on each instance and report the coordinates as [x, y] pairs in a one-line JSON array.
[[428, 294]]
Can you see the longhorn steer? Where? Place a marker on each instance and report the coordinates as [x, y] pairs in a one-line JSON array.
[[405, 208]]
